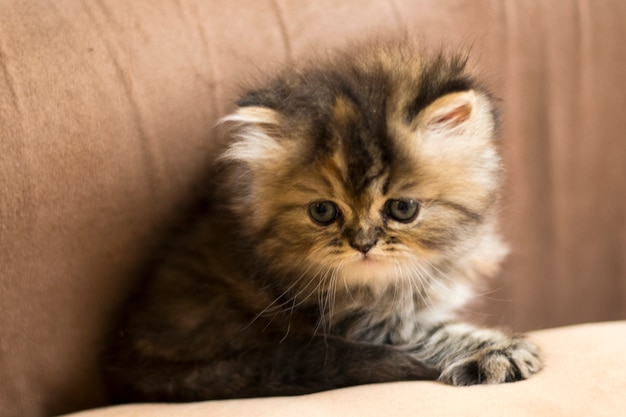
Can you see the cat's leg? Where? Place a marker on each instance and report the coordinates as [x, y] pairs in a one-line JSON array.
[[293, 366], [467, 355]]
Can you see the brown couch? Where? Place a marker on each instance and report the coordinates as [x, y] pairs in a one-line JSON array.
[[106, 118]]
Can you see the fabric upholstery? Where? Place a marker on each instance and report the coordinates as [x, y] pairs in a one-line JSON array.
[[107, 111], [583, 377]]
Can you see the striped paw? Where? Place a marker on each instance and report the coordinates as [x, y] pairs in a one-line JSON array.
[[511, 360]]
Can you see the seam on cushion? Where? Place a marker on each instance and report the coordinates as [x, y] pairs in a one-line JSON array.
[[395, 10], [190, 20], [213, 68], [283, 28], [124, 75], [8, 76]]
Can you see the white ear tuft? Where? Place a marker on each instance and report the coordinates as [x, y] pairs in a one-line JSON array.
[[255, 134], [449, 114], [252, 115]]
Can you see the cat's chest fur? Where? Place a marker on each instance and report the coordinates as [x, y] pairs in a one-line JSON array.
[[399, 315]]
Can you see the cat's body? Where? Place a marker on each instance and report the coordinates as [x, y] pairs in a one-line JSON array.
[[355, 213]]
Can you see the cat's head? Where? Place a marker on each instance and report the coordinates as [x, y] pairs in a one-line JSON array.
[[366, 169]]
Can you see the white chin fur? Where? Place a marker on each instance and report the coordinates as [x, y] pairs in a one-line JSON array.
[[441, 297], [371, 270], [375, 271]]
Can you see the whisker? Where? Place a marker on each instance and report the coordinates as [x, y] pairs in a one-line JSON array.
[[322, 304], [422, 279], [276, 309], [289, 323], [331, 297]]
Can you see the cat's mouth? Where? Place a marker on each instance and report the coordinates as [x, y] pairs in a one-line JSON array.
[[367, 259]]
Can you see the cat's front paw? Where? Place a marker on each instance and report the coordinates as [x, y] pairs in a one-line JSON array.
[[508, 361]]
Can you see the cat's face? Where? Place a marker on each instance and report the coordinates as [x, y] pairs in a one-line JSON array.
[[359, 185]]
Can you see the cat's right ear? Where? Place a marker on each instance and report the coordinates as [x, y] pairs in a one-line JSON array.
[[255, 135]]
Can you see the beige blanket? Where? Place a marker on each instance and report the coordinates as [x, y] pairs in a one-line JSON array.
[[585, 376]]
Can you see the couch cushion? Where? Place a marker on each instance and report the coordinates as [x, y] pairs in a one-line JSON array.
[[584, 376]]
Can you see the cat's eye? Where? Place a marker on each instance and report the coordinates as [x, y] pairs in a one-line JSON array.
[[403, 211], [323, 212]]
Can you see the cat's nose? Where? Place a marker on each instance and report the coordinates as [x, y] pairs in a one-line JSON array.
[[363, 246], [362, 239]]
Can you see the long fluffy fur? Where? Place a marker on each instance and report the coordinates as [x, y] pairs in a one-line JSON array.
[[257, 297]]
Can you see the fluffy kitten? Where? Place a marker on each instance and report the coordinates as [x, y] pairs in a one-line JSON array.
[[355, 213]]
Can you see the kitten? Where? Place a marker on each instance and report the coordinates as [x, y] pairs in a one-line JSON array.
[[354, 214]]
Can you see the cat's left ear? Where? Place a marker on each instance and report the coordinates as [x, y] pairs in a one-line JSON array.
[[256, 134], [457, 114]]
